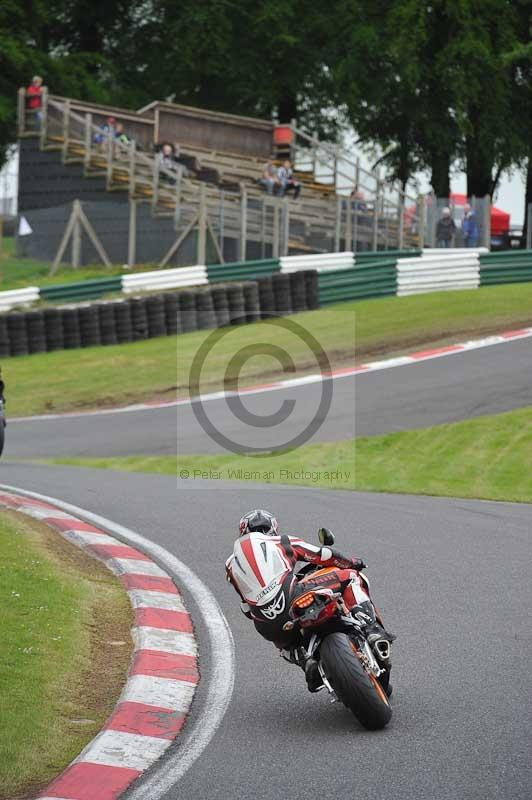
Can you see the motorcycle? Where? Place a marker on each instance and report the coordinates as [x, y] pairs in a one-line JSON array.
[[336, 639], [3, 422]]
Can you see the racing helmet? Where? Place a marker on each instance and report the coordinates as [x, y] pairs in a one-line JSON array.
[[260, 521]]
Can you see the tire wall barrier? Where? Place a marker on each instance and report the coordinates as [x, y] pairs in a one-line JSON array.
[[136, 318]]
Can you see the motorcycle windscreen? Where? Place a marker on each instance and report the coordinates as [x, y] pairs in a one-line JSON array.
[[259, 566]]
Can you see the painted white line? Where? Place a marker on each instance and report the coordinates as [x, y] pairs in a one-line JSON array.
[[220, 678], [360, 371], [118, 749]]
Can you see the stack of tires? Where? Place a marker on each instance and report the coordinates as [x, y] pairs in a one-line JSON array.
[[36, 332], [17, 333], [137, 318], [107, 323], [71, 332], [5, 349], [123, 326], [156, 316], [89, 326], [53, 329]]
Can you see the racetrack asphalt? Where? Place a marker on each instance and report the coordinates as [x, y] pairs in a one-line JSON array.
[[452, 578], [468, 384]]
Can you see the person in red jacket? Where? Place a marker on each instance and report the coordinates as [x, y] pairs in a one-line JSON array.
[[34, 99]]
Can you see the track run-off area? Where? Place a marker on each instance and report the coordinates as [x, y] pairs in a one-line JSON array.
[[452, 578]]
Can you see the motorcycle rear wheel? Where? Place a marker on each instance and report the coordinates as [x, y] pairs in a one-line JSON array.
[[356, 688]]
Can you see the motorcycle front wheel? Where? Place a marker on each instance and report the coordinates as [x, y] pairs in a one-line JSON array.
[[360, 691]]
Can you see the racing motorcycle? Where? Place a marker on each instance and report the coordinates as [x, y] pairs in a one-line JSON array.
[[2, 414], [336, 639]]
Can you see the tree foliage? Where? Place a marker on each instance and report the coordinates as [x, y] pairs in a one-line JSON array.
[[428, 82]]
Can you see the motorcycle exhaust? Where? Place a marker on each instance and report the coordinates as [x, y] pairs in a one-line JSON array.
[[382, 646]]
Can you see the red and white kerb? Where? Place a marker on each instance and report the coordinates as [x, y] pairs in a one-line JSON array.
[[163, 675]]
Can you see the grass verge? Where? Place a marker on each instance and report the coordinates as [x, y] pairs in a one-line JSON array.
[[64, 652], [486, 457], [16, 273], [107, 376]]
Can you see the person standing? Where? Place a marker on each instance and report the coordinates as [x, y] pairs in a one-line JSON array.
[[470, 227], [445, 229], [34, 100]]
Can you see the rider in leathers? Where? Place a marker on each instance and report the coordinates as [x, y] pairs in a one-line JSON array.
[[261, 570]]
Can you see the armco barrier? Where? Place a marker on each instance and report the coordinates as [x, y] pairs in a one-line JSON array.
[[322, 262], [437, 273], [80, 290], [18, 297], [242, 270], [164, 279], [385, 255], [506, 267], [358, 283]]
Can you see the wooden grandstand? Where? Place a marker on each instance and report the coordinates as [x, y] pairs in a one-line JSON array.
[[216, 190]]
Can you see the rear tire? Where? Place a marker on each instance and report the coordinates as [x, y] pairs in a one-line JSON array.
[[360, 692]]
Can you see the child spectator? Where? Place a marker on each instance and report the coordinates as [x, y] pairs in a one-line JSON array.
[[286, 180], [270, 179], [34, 100], [445, 229]]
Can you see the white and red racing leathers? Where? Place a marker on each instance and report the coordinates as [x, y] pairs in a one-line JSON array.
[[261, 570]]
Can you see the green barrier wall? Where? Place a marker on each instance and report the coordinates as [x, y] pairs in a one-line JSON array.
[[242, 270], [373, 280], [81, 290], [506, 267]]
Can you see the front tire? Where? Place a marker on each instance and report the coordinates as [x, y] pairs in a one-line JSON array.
[[357, 689]]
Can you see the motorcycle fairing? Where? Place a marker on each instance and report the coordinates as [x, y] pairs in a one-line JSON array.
[[258, 565]]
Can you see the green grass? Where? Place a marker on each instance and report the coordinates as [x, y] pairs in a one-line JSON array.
[[53, 699], [16, 273], [486, 457], [104, 376]]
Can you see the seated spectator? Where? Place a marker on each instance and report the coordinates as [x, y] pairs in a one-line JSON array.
[[34, 101], [445, 229], [167, 161], [270, 179], [105, 131], [120, 134], [286, 180]]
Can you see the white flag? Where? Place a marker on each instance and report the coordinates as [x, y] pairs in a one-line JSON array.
[[24, 227]]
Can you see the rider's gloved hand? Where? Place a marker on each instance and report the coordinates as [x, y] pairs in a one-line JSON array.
[[358, 564]]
